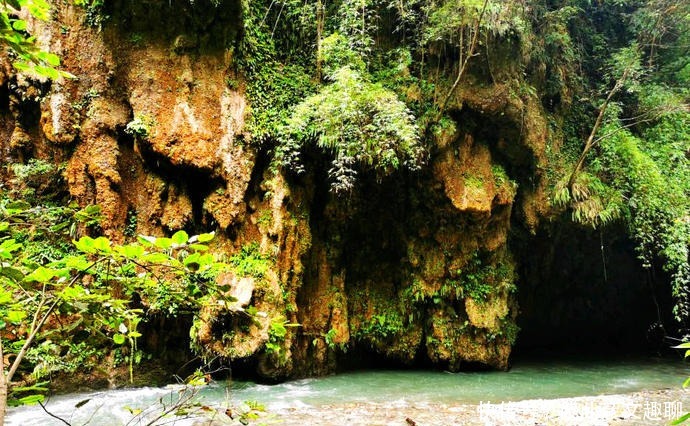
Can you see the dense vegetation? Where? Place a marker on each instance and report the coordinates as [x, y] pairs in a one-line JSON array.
[[613, 74], [369, 85]]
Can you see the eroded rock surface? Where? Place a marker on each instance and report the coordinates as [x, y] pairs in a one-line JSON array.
[[409, 269]]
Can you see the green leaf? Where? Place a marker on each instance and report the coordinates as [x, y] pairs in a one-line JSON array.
[[18, 205], [85, 244], [204, 238], [41, 275], [163, 243], [119, 339], [191, 259], [198, 247], [5, 296], [19, 25], [4, 226], [49, 72], [131, 251], [205, 259], [133, 411], [79, 263], [180, 238], [155, 258], [81, 403], [14, 4], [12, 273], [15, 317], [681, 419], [102, 244], [76, 292], [38, 387], [147, 240], [50, 58], [30, 400], [7, 247]]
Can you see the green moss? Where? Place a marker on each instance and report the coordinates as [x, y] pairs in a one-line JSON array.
[[249, 262], [140, 127], [265, 218], [381, 326], [475, 182]]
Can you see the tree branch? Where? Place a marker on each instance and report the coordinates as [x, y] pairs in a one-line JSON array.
[[597, 124], [463, 66]]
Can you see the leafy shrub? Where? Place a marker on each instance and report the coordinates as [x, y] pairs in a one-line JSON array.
[[249, 262], [360, 124]]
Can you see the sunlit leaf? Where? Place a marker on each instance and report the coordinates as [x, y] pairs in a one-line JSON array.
[[132, 251], [85, 244], [163, 243], [41, 275], [31, 399], [19, 25], [180, 238], [15, 317], [204, 238], [681, 419]]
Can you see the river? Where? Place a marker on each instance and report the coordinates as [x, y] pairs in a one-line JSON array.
[[425, 394]]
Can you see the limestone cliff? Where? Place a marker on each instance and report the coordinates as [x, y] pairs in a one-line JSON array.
[[412, 268]]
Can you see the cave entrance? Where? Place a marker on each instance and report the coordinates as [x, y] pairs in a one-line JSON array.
[[584, 292]]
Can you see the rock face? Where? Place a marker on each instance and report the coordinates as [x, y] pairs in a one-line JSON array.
[[412, 269]]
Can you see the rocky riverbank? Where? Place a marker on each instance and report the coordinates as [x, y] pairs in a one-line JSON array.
[[639, 408]]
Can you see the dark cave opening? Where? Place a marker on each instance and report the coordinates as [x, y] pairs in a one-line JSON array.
[[584, 292], [575, 298]]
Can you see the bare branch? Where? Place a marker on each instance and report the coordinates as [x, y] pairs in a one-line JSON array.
[[53, 415], [470, 54]]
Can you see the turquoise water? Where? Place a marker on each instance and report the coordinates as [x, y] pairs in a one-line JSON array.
[[526, 380], [529, 380]]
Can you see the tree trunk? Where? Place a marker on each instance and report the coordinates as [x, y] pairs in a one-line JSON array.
[[3, 387], [3, 398], [320, 18]]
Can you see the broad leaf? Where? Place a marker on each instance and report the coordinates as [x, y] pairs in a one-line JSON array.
[[180, 238]]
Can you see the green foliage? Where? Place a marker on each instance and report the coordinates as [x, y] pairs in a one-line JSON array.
[[34, 169], [382, 326], [592, 202], [447, 18], [358, 21], [140, 127], [657, 200], [49, 357], [330, 339], [94, 16], [249, 262], [359, 123], [86, 291], [277, 332], [636, 168], [28, 57], [337, 53], [131, 224], [476, 288], [475, 182], [273, 86], [37, 178]]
